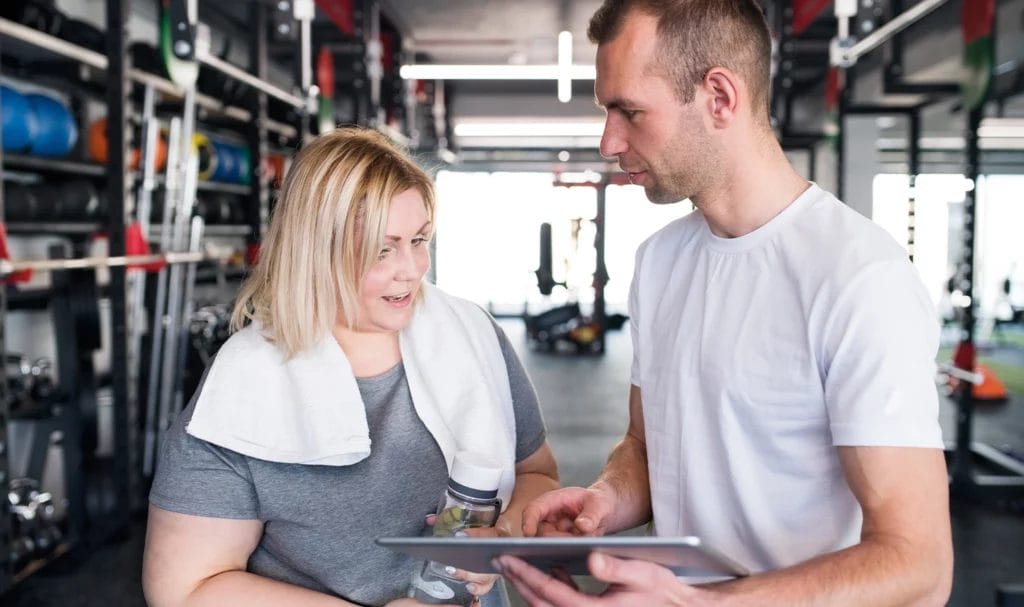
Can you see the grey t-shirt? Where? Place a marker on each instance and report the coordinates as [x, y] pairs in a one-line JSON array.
[[320, 522]]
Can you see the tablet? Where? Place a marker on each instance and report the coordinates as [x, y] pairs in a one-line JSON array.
[[685, 556]]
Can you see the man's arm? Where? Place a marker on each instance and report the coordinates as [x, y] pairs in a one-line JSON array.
[[618, 499], [535, 475], [905, 556], [625, 474]]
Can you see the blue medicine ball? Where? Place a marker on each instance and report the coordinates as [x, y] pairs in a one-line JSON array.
[[226, 166], [56, 131], [19, 123]]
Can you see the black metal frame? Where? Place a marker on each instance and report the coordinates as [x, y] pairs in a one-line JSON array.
[[6, 567], [964, 480]]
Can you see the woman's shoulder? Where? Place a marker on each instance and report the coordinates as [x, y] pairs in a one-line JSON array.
[[250, 343]]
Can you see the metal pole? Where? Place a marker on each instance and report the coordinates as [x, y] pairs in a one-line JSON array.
[[914, 167], [174, 152], [849, 56], [963, 461], [5, 506], [600, 269], [111, 261], [125, 401], [246, 78]]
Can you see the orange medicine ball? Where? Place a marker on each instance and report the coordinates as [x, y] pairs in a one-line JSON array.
[[99, 151]]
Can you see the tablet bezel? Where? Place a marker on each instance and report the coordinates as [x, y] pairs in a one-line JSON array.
[[685, 556]]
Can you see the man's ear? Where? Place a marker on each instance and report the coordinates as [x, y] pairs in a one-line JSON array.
[[723, 91]]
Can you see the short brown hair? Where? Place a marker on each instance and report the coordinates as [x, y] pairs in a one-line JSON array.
[[327, 230], [697, 35]]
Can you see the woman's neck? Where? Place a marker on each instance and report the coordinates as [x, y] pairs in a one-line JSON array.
[[369, 353]]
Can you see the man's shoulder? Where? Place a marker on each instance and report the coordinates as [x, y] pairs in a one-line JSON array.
[[841, 238], [675, 233]]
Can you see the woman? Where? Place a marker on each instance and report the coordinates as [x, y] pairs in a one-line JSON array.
[[331, 418]]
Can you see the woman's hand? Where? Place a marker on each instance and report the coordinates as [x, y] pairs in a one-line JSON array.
[[478, 584]]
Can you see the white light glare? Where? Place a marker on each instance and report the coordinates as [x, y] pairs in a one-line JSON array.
[[426, 71], [529, 129], [565, 66]]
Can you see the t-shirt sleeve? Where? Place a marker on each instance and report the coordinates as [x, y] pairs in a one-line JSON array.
[[879, 347], [199, 478], [634, 327], [530, 432]]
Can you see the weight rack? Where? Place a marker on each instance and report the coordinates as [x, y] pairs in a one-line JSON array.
[[125, 484]]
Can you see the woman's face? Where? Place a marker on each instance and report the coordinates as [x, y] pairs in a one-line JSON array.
[[388, 290]]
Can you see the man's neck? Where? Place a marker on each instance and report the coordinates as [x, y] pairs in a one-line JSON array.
[[755, 190]]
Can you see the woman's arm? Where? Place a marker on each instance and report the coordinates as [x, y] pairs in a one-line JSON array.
[[198, 560], [535, 475]]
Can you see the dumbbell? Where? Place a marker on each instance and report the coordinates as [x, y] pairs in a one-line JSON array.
[[19, 201], [76, 200]]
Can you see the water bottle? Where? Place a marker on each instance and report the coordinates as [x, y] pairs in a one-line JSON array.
[[470, 500]]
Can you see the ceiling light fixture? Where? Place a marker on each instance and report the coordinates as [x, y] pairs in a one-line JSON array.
[[515, 128], [1001, 128], [565, 66], [427, 71]]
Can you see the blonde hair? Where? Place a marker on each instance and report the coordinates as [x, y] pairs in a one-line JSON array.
[[326, 232]]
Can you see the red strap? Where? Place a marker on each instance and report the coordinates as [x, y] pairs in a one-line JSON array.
[[341, 12], [135, 244], [252, 254], [5, 253]]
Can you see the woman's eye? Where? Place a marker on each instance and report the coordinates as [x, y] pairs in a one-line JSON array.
[[418, 241], [383, 253]]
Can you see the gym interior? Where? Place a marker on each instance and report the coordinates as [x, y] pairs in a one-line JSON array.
[[121, 265]]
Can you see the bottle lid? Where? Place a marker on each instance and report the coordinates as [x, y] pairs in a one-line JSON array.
[[475, 475]]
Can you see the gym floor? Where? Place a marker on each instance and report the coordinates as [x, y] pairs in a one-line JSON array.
[[584, 406]]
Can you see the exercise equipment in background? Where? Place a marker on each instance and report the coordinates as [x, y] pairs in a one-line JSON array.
[[56, 132], [567, 324], [222, 161], [19, 123], [35, 123], [74, 200], [98, 150]]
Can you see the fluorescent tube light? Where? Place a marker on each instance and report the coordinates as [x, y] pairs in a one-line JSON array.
[[427, 71], [565, 66], [529, 129], [1001, 128]]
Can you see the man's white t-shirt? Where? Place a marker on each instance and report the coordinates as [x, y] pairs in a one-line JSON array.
[[757, 356]]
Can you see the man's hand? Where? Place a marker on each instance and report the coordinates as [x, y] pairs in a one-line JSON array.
[[630, 583], [568, 512]]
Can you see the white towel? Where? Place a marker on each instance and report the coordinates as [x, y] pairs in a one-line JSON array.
[[308, 410]]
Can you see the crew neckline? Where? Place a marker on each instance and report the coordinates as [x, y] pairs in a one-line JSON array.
[[751, 240], [380, 377]]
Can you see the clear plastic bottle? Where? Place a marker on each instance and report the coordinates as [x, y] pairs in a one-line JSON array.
[[470, 500]]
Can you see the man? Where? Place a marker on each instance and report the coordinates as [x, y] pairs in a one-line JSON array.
[[783, 405]]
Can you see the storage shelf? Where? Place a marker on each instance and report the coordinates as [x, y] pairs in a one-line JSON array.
[[54, 227], [15, 31], [54, 165]]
